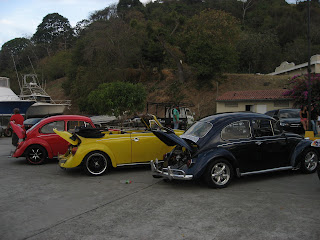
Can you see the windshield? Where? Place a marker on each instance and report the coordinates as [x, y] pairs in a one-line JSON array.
[[294, 113], [33, 126], [199, 129]]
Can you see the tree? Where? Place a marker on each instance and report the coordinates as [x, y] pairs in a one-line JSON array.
[[116, 98], [54, 32], [259, 53], [209, 41], [16, 48], [298, 89]]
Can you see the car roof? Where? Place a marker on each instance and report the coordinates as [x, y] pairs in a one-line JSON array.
[[66, 117], [233, 116]]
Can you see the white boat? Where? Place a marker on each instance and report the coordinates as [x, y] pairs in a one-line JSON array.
[[9, 100], [44, 105]]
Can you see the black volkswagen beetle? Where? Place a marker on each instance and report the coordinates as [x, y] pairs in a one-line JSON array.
[[222, 146]]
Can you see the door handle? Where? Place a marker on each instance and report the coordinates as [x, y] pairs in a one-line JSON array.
[[258, 143], [136, 139]]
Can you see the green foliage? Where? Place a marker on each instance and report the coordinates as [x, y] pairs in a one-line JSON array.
[[195, 38], [210, 43], [116, 98], [57, 66], [259, 52], [54, 32]]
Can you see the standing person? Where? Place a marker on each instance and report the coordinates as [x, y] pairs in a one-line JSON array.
[[314, 119], [304, 117], [18, 119], [175, 115]]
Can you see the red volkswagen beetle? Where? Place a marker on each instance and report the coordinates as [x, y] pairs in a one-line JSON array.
[[40, 142]]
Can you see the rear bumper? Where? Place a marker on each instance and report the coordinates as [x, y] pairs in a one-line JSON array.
[[169, 172]]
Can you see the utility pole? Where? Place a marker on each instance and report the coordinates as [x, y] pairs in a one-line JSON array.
[[309, 71]]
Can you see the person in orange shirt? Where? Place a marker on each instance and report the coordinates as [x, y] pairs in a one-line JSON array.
[[18, 119]]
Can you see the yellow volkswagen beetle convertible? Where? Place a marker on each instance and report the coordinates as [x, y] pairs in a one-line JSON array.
[[97, 151]]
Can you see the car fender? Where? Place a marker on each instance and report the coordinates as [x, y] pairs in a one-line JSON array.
[[34, 141], [205, 158], [300, 147], [91, 147]]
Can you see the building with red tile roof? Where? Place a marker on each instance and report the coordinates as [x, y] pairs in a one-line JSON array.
[[259, 101]]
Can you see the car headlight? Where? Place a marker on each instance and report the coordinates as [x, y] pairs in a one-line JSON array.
[[284, 124]]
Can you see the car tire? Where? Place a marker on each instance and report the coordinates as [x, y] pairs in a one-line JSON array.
[[96, 163], [219, 173], [7, 132], [309, 160], [36, 154]]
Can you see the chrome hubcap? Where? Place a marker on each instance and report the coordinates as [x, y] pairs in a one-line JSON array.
[[311, 161], [35, 155], [96, 163], [220, 173]]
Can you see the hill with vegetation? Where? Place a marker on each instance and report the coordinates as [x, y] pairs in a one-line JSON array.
[[175, 50]]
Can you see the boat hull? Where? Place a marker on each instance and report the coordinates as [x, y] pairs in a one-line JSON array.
[[45, 109], [6, 107]]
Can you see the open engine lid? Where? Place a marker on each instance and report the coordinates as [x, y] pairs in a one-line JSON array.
[[21, 133], [67, 136], [171, 139]]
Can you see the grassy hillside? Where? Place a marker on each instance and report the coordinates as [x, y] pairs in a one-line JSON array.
[[203, 99]]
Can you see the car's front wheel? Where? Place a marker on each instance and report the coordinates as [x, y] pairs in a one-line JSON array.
[[309, 161], [96, 163], [36, 154], [219, 173]]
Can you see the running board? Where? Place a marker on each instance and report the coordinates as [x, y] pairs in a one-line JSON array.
[[134, 164], [267, 170]]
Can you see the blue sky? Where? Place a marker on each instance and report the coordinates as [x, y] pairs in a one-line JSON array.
[[20, 18]]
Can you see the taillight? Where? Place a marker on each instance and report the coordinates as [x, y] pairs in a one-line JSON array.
[[74, 150]]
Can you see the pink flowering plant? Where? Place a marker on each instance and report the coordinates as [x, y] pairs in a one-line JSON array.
[[298, 89]]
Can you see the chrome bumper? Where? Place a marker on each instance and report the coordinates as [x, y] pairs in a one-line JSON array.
[[169, 172]]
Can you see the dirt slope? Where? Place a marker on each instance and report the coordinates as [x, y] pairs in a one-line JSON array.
[[203, 99]]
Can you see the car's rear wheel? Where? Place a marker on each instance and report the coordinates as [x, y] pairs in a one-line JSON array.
[[96, 163], [219, 173], [7, 132], [36, 154], [309, 160]]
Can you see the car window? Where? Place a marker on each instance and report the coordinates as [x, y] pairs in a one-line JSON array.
[[71, 125], [199, 129], [236, 130], [270, 113], [48, 128], [262, 127], [292, 113]]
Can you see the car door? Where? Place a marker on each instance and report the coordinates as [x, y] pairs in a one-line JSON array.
[[271, 144], [58, 145], [146, 147], [237, 139]]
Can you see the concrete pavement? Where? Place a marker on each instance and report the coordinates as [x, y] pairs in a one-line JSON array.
[[46, 202]]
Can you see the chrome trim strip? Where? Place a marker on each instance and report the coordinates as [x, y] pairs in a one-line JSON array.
[[132, 164], [253, 140], [267, 170]]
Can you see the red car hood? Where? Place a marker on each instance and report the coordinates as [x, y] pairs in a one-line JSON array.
[[19, 130]]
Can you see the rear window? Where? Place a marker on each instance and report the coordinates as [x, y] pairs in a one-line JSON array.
[[199, 129]]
